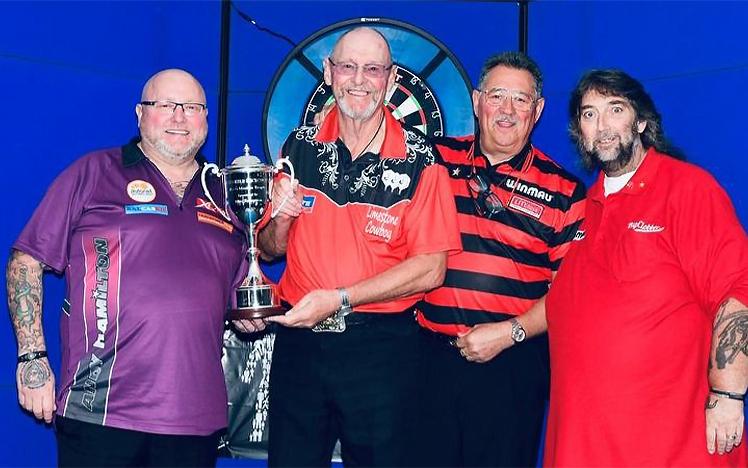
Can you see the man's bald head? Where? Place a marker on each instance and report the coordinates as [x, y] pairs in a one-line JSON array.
[[358, 91], [167, 79], [364, 34], [169, 132]]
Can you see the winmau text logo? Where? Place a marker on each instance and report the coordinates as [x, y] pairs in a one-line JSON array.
[[521, 187], [641, 226]]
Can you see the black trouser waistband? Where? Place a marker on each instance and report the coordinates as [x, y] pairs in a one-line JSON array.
[[447, 340]]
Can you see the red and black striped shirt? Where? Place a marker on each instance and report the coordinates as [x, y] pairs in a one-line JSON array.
[[508, 260]]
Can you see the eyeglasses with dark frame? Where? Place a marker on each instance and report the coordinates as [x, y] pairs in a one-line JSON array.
[[370, 70], [521, 101], [487, 203], [169, 107]]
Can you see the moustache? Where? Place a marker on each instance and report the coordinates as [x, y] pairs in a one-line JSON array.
[[606, 136], [504, 118]]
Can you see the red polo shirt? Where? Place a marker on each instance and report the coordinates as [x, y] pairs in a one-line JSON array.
[[364, 216], [630, 318], [507, 260]]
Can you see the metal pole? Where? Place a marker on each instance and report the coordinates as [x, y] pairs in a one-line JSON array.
[[523, 25], [223, 83]]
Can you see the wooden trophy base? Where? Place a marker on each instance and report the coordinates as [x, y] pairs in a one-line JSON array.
[[256, 302], [238, 314]]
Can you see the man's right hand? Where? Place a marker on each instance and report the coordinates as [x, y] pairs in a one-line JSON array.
[[288, 191], [36, 388]]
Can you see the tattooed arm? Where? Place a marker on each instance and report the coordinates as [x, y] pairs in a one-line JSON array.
[[34, 379], [728, 372]]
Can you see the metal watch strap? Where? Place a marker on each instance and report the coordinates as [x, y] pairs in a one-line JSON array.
[[345, 303], [518, 331], [336, 322]]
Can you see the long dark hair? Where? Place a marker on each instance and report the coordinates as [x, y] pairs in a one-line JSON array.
[[618, 83]]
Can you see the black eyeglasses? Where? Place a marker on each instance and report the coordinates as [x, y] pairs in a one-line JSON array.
[[487, 203], [169, 107]]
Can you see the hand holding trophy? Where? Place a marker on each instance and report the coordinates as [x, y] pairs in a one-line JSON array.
[[248, 185]]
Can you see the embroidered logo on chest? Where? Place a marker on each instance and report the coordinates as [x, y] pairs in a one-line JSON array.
[[381, 223], [528, 207], [395, 181], [141, 191], [521, 187], [644, 227], [206, 205], [213, 221]]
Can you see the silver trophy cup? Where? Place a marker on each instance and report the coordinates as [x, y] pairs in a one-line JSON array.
[[248, 187]]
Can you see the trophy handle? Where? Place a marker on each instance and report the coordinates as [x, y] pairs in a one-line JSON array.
[[279, 166], [210, 167]]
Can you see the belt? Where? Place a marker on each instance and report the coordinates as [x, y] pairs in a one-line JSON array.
[[370, 318]]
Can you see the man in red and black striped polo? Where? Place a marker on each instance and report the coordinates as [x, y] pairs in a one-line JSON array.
[[485, 352]]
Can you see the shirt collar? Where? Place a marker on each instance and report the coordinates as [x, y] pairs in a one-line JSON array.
[[641, 180], [519, 162], [132, 154], [394, 139]]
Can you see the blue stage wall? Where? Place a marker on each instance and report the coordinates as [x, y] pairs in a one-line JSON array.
[[72, 72]]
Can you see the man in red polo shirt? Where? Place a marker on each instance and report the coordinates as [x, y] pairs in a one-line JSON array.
[[366, 231], [647, 316]]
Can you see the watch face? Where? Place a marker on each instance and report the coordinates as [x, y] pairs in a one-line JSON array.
[[518, 333], [431, 92]]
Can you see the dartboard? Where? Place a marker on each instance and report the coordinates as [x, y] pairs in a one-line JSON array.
[[431, 91]]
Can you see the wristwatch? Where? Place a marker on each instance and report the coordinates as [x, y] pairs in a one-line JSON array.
[[345, 303], [518, 333]]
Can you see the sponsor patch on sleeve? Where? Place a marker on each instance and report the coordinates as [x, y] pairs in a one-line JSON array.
[[210, 219], [147, 208], [528, 207], [307, 203]]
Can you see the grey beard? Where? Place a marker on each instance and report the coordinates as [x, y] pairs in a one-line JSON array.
[[362, 115], [625, 154], [176, 156]]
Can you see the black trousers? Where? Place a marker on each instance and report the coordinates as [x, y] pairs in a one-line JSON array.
[[357, 386], [84, 444], [488, 414]]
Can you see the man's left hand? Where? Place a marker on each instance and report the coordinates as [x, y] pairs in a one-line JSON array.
[[724, 424], [314, 307], [249, 325], [485, 341]]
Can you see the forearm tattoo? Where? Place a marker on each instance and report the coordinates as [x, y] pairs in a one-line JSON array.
[[34, 374], [24, 287], [731, 329]]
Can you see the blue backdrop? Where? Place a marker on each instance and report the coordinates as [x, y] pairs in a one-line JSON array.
[[73, 71]]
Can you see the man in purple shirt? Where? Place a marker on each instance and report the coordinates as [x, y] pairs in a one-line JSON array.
[[150, 267]]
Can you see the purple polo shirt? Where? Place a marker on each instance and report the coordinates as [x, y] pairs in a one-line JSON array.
[[148, 282]]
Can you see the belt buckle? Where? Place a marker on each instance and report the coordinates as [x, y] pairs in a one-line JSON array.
[[332, 324]]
